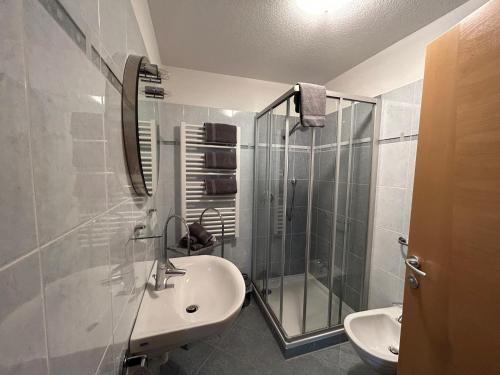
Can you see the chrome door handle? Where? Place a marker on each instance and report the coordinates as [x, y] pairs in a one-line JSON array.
[[413, 263]]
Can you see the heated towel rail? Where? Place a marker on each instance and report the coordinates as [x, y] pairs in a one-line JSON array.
[[193, 173]]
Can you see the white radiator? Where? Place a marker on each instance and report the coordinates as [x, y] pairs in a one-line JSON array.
[[193, 172]]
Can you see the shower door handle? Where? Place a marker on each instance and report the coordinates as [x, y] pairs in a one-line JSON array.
[[413, 263]]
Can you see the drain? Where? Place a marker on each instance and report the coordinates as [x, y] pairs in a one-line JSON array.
[[393, 350], [192, 309]]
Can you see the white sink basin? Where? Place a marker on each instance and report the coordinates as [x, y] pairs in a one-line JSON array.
[[372, 333], [213, 284]]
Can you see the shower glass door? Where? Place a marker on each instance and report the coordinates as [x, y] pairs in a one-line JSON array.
[[261, 203], [311, 214], [277, 238]]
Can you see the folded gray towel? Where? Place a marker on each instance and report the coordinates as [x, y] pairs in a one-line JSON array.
[[312, 105], [220, 160], [198, 231], [226, 185], [220, 133]]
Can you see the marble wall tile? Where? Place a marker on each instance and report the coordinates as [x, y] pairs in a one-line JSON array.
[[385, 289], [120, 226], [65, 174], [224, 116], [247, 164], [360, 202], [388, 255], [52, 54], [76, 280], [245, 120], [118, 185], [171, 116], [396, 171], [327, 165], [107, 365], [343, 163], [113, 29], [22, 344], [93, 276], [389, 211], [393, 164], [195, 115], [17, 232], [363, 120], [122, 332], [86, 15], [357, 238], [417, 99], [11, 36], [397, 111], [64, 169], [362, 165]]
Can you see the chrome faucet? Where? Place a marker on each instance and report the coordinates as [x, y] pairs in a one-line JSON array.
[[166, 269]]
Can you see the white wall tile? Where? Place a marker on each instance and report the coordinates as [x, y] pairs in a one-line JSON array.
[[389, 211], [393, 164], [384, 289], [394, 193], [387, 254], [170, 121], [17, 232], [74, 125], [77, 299], [22, 335]]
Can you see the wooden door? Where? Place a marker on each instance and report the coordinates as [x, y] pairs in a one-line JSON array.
[[451, 323]]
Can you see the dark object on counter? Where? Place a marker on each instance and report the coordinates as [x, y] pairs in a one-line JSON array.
[[220, 160], [195, 246], [193, 243], [220, 133], [216, 186], [198, 231]]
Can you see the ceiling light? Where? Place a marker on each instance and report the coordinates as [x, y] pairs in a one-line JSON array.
[[319, 6]]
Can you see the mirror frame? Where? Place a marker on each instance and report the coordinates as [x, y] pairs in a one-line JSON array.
[[130, 122]]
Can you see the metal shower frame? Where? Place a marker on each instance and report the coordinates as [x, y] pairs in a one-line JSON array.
[[333, 333]]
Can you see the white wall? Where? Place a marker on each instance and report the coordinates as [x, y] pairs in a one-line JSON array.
[[401, 63], [143, 15], [205, 89]]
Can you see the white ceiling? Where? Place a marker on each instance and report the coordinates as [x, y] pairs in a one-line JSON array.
[[276, 40]]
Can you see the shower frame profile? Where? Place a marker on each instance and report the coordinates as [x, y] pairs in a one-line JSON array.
[[333, 334]]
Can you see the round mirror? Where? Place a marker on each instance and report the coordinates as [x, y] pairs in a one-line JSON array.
[[140, 122]]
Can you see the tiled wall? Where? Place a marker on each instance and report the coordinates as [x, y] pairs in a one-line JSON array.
[[397, 152], [168, 198], [71, 279]]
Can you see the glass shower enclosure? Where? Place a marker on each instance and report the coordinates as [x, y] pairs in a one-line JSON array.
[[313, 190]]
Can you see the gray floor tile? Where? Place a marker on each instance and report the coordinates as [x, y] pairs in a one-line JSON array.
[[329, 356], [252, 346], [187, 362], [221, 363], [303, 365], [251, 317], [351, 364], [249, 347]]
